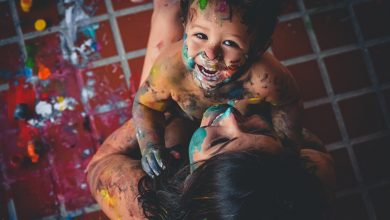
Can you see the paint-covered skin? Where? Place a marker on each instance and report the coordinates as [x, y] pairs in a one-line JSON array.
[[208, 67], [113, 175], [224, 129], [113, 172]]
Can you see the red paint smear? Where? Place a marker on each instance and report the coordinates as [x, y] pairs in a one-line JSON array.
[[26, 134], [18, 94]]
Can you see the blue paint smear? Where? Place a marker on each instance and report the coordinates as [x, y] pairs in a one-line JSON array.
[[235, 93], [196, 142]]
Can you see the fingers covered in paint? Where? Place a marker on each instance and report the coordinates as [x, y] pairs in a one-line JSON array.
[[152, 162]]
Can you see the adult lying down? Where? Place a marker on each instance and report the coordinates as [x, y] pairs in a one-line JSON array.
[[237, 169]]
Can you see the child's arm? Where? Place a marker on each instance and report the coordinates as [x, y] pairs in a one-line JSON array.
[[148, 115]]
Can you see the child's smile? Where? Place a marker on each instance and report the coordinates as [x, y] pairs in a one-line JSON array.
[[215, 44]]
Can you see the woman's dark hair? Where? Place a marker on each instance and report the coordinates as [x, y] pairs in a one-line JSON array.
[[237, 185], [260, 16]]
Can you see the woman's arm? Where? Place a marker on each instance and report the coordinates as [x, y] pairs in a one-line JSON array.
[[113, 175]]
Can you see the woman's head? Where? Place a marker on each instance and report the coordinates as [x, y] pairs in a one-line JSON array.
[[252, 185], [223, 129], [237, 185]]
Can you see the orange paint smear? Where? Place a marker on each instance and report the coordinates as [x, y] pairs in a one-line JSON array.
[[43, 72], [32, 153]]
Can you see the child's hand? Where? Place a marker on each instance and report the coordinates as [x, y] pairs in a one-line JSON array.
[[151, 161]]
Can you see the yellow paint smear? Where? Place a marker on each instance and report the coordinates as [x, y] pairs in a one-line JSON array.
[[158, 106], [110, 200], [254, 100]]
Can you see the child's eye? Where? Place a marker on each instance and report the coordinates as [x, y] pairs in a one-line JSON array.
[[201, 36], [230, 43]]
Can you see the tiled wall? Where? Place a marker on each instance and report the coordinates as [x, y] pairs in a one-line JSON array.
[[338, 52]]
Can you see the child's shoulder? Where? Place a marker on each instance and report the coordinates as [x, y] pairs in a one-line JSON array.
[[269, 64], [271, 79], [169, 63]]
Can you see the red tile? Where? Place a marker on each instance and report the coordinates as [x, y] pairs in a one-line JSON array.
[[16, 165], [321, 3], [290, 7], [347, 71], [3, 200], [105, 40], [105, 85], [373, 159], [71, 143], [348, 207], [345, 177], [42, 9], [122, 4], [72, 187], [47, 50], [96, 7], [381, 200], [136, 71], [108, 122], [290, 40], [10, 62], [309, 80], [321, 121], [35, 198], [333, 28], [362, 115], [372, 17], [380, 57], [135, 29], [98, 215], [6, 23]]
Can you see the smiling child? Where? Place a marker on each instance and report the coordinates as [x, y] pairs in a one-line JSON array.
[[222, 59]]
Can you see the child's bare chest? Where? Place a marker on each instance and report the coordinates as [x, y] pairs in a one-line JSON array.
[[194, 100]]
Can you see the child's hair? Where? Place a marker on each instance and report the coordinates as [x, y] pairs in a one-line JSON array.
[[260, 16]]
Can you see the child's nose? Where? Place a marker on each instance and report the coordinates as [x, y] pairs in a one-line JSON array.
[[212, 52]]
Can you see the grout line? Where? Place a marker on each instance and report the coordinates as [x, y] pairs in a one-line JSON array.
[[136, 54], [321, 9], [343, 96], [72, 214], [133, 10], [18, 29], [106, 61], [92, 20], [355, 190], [118, 42], [370, 66], [335, 51], [359, 140], [339, 117], [324, 72]]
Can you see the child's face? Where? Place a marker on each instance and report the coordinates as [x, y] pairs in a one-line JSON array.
[[215, 43]]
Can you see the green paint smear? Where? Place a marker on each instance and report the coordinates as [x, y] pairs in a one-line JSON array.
[[202, 4], [31, 52]]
